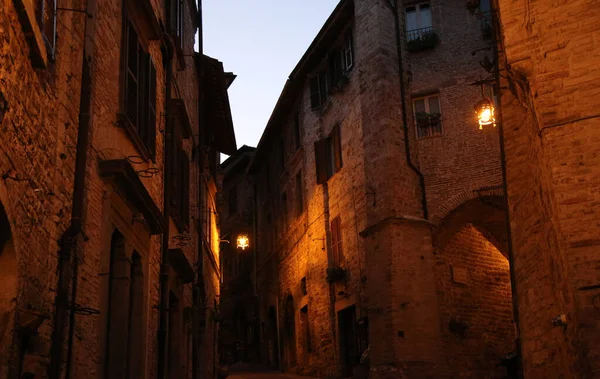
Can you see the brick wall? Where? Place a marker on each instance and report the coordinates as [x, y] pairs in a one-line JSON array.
[[476, 305], [39, 135], [549, 121], [387, 247]]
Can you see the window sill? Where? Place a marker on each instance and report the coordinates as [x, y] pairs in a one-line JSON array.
[[33, 33], [145, 153]]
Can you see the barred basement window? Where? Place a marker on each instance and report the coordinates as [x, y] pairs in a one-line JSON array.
[[139, 94]]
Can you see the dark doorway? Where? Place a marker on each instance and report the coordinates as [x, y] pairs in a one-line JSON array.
[[290, 331], [273, 339], [349, 354]]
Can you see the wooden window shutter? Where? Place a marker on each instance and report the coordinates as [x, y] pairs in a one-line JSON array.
[[337, 147], [132, 75], [315, 93], [185, 188], [151, 117], [321, 160], [143, 96]]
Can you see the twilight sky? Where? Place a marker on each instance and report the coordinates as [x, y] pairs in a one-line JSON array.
[[260, 41]]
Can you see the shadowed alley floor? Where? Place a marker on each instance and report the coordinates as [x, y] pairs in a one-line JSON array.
[[264, 375]]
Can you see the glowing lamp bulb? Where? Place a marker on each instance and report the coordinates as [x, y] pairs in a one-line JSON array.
[[485, 113], [243, 242]]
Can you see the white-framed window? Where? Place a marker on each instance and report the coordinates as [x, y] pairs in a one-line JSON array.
[[428, 115], [418, 21]]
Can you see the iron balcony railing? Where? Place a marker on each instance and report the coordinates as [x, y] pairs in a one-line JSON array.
[[415, 34]]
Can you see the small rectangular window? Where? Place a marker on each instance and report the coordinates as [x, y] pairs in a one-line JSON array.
[[428, 116]]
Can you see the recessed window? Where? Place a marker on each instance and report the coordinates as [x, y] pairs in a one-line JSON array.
[[428, 117], [334, 75], [418, 21], [328, 152], [297, 131], [45, 12], [176, 21], [139, 93]]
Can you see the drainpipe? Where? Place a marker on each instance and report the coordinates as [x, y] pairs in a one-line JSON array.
[[67, 264], [394, 7], [167, 53]]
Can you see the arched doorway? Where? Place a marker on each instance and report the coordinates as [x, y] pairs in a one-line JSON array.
[[474, 289], [289, 329], [8, 286]]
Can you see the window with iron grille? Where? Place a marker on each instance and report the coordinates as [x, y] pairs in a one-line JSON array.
[[428, 117], [139, 93], [418, 21], [336, 242]]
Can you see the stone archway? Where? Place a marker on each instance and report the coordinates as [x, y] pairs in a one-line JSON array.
[[8, 292], [474, 289]]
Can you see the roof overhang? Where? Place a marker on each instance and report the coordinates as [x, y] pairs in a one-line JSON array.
[[216, 107]]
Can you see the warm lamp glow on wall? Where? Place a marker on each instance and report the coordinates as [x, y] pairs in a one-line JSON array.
[[485, 113], [243, 242]]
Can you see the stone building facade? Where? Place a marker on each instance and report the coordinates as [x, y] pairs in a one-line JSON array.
[[111, 129], [238, 339], [380, 213]]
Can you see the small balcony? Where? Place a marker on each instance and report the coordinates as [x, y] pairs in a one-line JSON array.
[[421, 39]]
